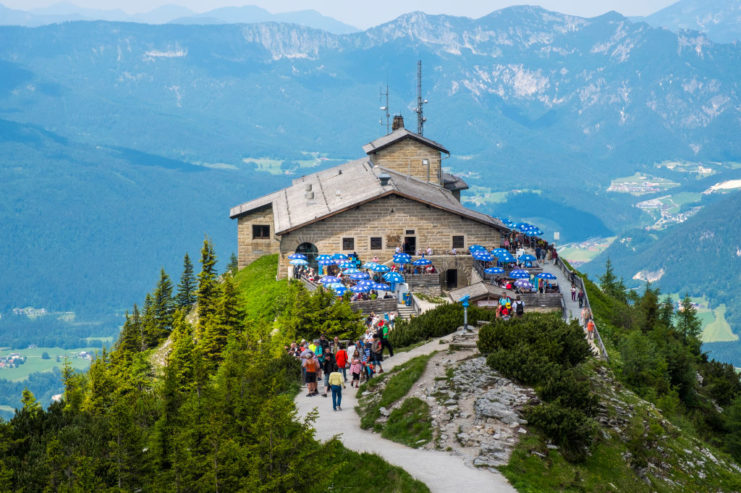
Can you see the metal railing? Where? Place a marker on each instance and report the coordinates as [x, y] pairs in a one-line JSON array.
[[579, 283]]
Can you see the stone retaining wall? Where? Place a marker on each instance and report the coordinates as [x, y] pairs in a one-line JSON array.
[[384, 305]]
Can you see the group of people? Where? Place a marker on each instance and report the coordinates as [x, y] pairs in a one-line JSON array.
[[587, 322], [578, 295], [506, 308], [328, 361]]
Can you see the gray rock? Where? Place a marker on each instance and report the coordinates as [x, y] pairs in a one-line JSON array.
[[384, 412]]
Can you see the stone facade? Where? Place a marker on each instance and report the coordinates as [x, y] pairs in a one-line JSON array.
[[249, 247], [391, 218], [406, 157]]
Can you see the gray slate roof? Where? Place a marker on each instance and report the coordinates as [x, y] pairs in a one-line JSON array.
[[349, 185], [453, 182], [397, 135]]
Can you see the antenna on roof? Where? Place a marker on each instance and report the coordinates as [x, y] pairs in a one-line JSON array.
[[420, 102], [386, 109]]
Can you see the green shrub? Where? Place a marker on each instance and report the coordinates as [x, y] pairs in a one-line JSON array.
[[522, 364], [570, 389], [568, 428], [441, 321]]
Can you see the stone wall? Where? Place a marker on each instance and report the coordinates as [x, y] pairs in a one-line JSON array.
[[379, 306], [390, 218], [428, 284], [250, 249], [406, 157]]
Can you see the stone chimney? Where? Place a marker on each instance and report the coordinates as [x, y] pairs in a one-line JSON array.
[[397, 123]]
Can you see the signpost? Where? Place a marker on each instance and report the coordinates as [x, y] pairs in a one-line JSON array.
[[464, 302]]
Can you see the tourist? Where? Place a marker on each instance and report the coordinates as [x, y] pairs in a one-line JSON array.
[[377, 353], [586, 316], [383, 333], [573, 293], [341, 359], [335, 345], [454, 251], [590, 330], [327, 367], [519, 307], [355, 368], [336, 381], [429, 251], [581, 297], [311, 366]]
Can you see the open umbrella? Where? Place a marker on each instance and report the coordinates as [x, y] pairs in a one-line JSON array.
[[340, 256], [526, 257], [494, 270], [297, 256], [402, 257], [523, 284], [422, 261], [360, 288], [324, 257], [546, 275], [379, 286], [325, 262], [380, 268], [347, 272], [369, 265], [474, 248], [500, 251], [393, 277], [344, 264], [519, 274], [340, 290], [532, 232], [359, 276], [298, 261], [330, 280], [482, 255]]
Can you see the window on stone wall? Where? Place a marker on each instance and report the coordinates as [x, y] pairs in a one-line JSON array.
[[260, 232], [458, 242], [376, 243], [348, 243], [409, 231]]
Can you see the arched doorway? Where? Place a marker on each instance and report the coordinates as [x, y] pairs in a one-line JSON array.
[[311, 251]]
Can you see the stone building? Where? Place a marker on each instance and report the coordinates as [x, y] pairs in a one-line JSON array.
[[397, 195]]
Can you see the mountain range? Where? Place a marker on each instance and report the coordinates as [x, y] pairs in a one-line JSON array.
[[124, 143], [174, 14], [720, 20]]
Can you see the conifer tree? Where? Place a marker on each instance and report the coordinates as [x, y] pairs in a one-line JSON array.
[[208, 289], [163, 306], [233, 266], [30, 404], [129, 340], [688, 324], [186, 295], [148, 324]]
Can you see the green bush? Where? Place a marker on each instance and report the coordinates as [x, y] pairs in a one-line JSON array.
[[441, 321], [568, 428], [570, 389], [522, 364]]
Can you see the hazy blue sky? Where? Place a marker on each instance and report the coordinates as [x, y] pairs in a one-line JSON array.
[[366, 13]]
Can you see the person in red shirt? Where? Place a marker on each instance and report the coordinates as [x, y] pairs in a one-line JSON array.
[[341, 359]]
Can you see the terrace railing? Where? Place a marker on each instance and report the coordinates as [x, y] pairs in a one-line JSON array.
[[579, 283]]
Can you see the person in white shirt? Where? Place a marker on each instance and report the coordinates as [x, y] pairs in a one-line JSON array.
[[429, 251]]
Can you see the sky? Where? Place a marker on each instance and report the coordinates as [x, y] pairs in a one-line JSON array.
[[364, 13]]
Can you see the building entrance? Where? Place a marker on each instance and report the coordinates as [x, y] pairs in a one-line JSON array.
[[410, 244], [311, 251], [451, 279]]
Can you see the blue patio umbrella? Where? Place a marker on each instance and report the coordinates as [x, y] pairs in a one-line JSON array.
[[346, 265], [526, 257], [360, 288], [340, 290], [474, 248], [347, 272], [379, 286], [339, 256], [402, 260], [546, 275], [402, 256], [324, 257], [494, 270], [393, 277], [330, 280], [422, 261], [325, 262], [519, 274], [531, 232], [359, 276], [298, 261], [523, 226], [482, 255], [369, 265], [523, 284], [297, 256], [380, 268]]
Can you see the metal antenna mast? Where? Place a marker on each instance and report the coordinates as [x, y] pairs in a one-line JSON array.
[[386, 109], [420, 102]]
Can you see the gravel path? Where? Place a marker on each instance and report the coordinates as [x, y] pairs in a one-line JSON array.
[[440, 471]]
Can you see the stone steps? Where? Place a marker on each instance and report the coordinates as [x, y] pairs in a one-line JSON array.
[[405, 312]]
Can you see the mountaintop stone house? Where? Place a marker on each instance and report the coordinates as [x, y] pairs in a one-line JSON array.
[[395, 196]]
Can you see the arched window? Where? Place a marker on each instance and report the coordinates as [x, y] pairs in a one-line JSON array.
[[311, 251]]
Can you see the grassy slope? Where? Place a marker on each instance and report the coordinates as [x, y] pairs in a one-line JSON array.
[[260, 292]]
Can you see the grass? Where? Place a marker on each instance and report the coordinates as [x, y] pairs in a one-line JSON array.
[[398, 383], [35, 363], [365, 472], [718, 330], [409, 424], [261, 294], [431, 299]]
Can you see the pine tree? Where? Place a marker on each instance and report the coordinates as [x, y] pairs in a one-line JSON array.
[[611, 285], [229, 313], [208, 289], [30, 404], [666, 312], [129, 341], [233, 266], [149, 330], [164, 307], [186, 295], [688, 324]]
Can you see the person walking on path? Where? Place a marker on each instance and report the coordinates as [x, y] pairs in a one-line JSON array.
[[341, 359], [327, 367], [377, 353], [355, 368], [383, 332], [580, 297], [573, 293], [311, 365], [586, 316], [336, 382], [590, 330]]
